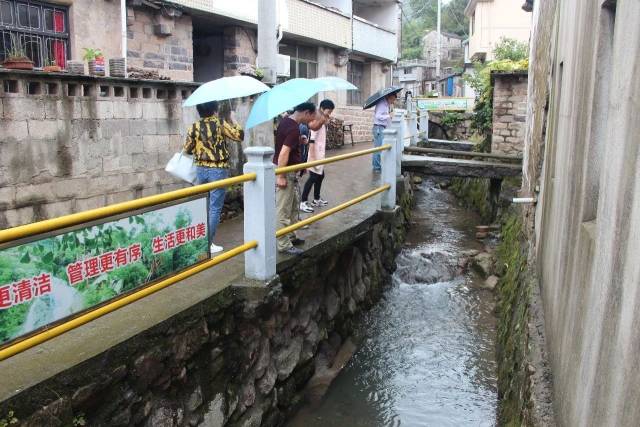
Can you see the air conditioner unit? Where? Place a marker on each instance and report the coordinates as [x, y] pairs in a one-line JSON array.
[[284, 66]]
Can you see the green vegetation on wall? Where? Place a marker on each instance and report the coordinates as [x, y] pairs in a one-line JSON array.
[[512, 349], [473, 193]]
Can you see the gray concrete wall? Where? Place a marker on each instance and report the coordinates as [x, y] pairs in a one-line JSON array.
[[71, 143], [587, 224]]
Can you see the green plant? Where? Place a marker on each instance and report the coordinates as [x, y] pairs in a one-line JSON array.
[[79, 420], [259, 73], [451, 119], [91, 54], [17, 50], [511, 49], [9, 420]]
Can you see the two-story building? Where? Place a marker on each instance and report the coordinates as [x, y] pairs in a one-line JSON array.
[[491, 20], [450, 48], [200, 40]]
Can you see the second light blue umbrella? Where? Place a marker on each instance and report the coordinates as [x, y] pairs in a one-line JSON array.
[[287, 95]]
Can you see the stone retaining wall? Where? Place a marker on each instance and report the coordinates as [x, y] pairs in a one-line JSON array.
[[71, 143], [240, 358], [461, 132]]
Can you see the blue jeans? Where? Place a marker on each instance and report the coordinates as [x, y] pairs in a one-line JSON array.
[[377, 142], [216, 197]]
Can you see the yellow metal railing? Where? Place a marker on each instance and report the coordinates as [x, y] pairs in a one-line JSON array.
[[53, 224], [318, 217], [49, 225], [294, 168], [55, 331]]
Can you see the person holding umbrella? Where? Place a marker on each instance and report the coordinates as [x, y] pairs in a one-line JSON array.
[[383, 100], [206, 140]]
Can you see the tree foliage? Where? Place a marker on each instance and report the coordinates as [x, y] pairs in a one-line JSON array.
[[511, 49], [420, 17]]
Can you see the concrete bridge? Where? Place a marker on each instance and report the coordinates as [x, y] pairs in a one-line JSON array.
[[443, 162], [458, 160]]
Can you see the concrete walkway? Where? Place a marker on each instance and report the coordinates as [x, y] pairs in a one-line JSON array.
[[344, 181]]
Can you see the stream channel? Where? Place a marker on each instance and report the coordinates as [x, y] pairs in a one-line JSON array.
[[426, 352]]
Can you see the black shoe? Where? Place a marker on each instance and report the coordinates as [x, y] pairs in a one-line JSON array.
[[297, 241], [292, 251]]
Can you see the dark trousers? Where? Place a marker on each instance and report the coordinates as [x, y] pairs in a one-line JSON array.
[[313, 180]]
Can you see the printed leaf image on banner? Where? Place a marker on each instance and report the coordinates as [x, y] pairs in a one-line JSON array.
[[50, 279]]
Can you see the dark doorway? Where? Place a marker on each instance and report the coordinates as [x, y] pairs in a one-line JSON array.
[[208, 52]]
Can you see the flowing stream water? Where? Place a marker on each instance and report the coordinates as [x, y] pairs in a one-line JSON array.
[[426, 352]]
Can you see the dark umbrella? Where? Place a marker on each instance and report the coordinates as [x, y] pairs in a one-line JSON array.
[[373, 99]]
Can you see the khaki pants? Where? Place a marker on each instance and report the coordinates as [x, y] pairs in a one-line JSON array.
[[287, 205]]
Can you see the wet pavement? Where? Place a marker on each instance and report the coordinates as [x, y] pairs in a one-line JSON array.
[[426, 351], [343, 181]]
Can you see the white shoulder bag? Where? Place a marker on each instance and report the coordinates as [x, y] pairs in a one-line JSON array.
[[181, 166]]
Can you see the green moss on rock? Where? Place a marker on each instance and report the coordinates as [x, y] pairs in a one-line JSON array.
[[513, 313], [473, 194]]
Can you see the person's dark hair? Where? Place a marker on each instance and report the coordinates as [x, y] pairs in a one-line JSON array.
[[327, 104], [207, 109], [306, 106]]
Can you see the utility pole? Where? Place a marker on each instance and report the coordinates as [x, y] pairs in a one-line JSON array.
[[268, 39], [439, 42]]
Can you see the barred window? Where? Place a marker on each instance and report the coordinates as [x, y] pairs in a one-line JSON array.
[[355, 75], [39, 30]]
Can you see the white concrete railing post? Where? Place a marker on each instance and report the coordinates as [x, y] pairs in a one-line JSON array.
[[389, 174], [424, 123], [412, 122], [397, 124], [260, 205]]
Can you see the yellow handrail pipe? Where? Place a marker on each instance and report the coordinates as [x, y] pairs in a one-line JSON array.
[[52, 224], [294, 168], [318, 217], [48, 334]]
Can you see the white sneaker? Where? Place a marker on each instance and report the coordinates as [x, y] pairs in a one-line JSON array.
[[304, 207], [214, 249], [319, 202]]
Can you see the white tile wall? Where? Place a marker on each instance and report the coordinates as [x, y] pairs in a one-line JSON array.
[[371, 40]]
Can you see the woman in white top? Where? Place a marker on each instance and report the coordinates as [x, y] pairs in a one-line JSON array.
[[317, 147]]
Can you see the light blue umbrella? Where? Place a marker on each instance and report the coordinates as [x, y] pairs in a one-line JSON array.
[[225, 88], [287, 95]]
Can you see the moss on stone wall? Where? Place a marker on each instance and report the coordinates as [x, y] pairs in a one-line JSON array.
[[474, 194], [513, 314]]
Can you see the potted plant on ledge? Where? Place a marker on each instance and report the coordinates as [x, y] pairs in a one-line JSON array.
[[51, 66], [17, 58], [95, 59]]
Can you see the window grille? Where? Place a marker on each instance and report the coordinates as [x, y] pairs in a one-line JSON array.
[[40, 29]]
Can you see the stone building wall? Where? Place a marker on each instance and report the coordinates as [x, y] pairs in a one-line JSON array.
[[94, 24], [242, 357], [71, 143], [509, 112], [362, 121], [170, 54], [240, 50]]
